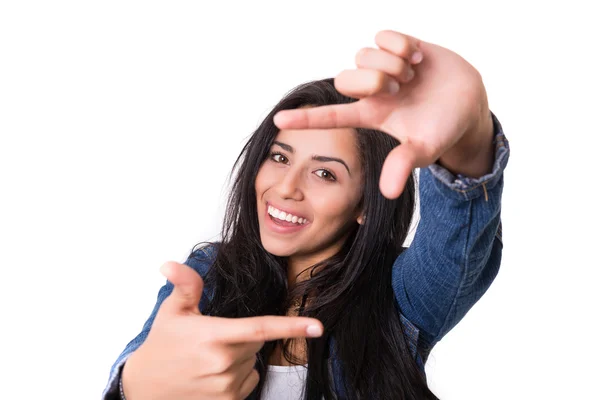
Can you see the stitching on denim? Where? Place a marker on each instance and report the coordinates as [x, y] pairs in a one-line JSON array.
[[115, 373], [463, 271], [121, 391]]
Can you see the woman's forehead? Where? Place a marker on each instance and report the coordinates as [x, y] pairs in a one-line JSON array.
[[339, 142]]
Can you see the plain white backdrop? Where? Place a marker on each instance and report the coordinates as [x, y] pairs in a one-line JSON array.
[[120, 121]]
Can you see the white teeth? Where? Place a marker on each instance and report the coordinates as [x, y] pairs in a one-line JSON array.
[[285, 216]]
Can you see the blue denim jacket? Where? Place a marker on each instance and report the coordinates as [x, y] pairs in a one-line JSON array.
[[451, 262]]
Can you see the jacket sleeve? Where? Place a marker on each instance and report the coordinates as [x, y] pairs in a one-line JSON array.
[[199, 261], [456, 252]]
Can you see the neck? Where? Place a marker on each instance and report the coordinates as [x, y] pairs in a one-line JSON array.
[[300, 266]]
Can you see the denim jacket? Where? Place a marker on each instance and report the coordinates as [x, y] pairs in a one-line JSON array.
[[451, 262]]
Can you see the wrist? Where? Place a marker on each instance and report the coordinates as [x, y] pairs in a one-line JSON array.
[[473, 154]]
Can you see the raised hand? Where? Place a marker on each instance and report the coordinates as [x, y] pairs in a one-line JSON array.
[[188, 355], [426, 96]]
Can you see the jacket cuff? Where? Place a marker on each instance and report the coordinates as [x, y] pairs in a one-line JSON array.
[[465, 188]]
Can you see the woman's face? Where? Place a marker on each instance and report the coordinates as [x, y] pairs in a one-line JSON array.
[[308, 193]]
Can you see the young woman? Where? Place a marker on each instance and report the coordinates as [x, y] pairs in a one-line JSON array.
[[310, 294]]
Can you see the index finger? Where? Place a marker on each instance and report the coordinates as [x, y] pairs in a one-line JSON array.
[[267, 328], [323, 117]]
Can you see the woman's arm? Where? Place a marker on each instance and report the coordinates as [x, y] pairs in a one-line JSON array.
[[457, 248]]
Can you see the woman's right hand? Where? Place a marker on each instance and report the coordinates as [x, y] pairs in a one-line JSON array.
[[188, 355]]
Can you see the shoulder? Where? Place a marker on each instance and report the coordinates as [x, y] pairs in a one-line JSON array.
[[202, 257]]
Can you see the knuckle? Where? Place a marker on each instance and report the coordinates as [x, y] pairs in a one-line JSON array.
[[332, 117], [259, 331]]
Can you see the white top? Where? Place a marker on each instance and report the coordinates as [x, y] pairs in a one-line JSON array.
[[284, 382]]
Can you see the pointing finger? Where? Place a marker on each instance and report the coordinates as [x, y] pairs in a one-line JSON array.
[[324, 117], [267, 328]]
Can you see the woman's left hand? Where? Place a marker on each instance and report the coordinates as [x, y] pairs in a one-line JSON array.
[[426, 96]]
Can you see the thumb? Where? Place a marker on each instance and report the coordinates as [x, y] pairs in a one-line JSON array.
[[397, 168], [187, 290]]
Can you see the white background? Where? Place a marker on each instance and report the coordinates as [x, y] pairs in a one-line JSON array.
[[120, 120]]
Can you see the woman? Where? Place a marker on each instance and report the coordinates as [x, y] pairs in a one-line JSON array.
[[310, 276]]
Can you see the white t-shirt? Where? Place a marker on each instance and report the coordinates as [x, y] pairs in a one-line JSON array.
[[284, 382]]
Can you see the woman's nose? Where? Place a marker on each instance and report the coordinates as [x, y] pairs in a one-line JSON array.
[[289, 187]]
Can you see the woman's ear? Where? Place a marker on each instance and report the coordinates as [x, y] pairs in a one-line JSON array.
[[360, 212]]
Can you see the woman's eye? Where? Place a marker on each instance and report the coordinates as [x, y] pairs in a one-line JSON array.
[[279, 158], [323, 173]]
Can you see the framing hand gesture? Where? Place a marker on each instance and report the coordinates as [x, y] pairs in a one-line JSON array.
[[426, 96]]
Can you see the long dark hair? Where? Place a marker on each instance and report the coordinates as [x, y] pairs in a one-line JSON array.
[[355, 300]]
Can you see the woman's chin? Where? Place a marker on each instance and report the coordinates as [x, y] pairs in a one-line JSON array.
[[278, 248]]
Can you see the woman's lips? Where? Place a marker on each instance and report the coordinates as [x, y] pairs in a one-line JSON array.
[[299, 216], [280, 226], [281, 222]]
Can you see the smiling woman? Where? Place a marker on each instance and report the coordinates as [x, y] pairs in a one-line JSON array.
[[310, 293], [324, 191]]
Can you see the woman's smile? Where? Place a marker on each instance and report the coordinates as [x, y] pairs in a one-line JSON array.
[[280, 221]]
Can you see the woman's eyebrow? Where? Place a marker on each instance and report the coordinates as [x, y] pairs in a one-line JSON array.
[[289, 148], [284, 146], [328, 159]]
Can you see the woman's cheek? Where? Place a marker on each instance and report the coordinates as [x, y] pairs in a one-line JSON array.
[[331, 204], [266, 178]]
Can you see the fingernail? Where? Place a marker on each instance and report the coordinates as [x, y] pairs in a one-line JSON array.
[[393, 87], [410, 74], [314, 330], [417, 57]]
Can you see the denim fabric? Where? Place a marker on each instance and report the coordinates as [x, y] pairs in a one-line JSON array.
[[451, 262]]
